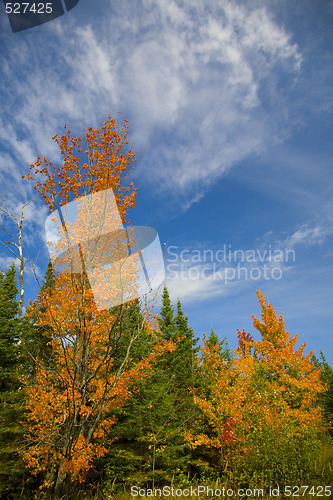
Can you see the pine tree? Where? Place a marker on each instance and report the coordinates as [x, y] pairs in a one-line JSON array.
[[185, 356], [150, 448], [36, 339], [176, 381], [8, 330], [49, 279], [326, 398], [213, 338], [223, 348], [130, 322], [166, 319], [11, 392], [126, 453], [179, 363]]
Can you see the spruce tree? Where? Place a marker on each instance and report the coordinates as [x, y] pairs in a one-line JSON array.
[[129, 324], [150, 446], [185, 355], [12, 471], [326, 398], [49, 278], [35, 338], [213, 338], [223, 349], [166, 319], [127, 453], [9, 331]]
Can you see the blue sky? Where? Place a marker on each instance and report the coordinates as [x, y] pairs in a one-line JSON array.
[[230, 108]]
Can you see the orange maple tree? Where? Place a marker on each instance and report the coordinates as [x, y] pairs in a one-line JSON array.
[[72, 397], [106, 164], [266, 393]]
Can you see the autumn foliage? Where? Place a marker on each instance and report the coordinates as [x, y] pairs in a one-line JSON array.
[[71, 396], [265, 398], [126, 389], [71, 400], [102, 162]]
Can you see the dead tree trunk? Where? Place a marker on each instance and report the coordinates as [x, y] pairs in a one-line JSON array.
[[16, 242]]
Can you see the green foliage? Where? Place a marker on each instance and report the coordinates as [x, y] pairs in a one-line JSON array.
[[326, 398], [9, 331], [149, 446], [222, 345], [12, 471], [281, 456], [185, 356], [146, 445], [166, 320], [35, 338]]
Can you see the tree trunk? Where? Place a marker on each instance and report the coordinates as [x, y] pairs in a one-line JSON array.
[[21, 302], [59, 488]]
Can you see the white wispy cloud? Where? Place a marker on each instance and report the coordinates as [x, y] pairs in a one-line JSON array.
[[313, 232], [197, 81], [197, 272], [309, 235]]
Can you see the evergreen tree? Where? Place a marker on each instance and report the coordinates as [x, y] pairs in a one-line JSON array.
[[12, 471], [143, 451], [166, 319], [326, 398], [223, 349], [213, 338], [129, 325], [179, 365], [49, 278], [8, 330], [128, 453], [150, 446], [36, 339], [185, 356]]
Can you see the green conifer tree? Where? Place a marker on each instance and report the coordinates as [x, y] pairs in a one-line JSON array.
[[185, 356], [9, 331], [223, 348], [326, 398], [12, 471], [150, 447], [166, 319], [35, 338]]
